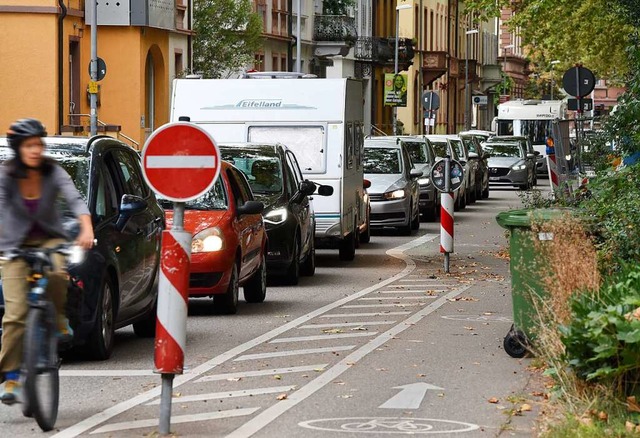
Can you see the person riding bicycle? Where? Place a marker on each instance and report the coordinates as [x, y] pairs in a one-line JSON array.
[[29, 217]]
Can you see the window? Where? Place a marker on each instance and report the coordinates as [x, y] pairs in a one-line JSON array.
[[382, 160], [131, 173], [306, 142], [349, 140], [106, 203], [293, 163], [178, 67], [258, 62]]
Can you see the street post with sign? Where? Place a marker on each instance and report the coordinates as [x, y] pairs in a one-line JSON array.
[[181, 162], [431, 104], [579, 82], [447, 176]]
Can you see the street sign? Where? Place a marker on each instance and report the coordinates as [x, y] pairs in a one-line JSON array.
[[456, 175], [430, 100], [181, 161], [578, 81], [480, 100], [580, 104], [102, 69]]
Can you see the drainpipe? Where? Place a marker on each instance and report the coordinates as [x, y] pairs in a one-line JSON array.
[[290, 34], [190, 37], [63, 14]]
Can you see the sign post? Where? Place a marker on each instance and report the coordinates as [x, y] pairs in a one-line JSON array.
[[181, 161], [431, 103], [447, 176]]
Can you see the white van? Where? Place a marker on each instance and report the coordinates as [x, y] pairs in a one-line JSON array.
[[320, 120]]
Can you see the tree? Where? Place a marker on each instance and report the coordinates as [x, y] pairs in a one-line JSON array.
[[594, 33], [228, 34], [336, 7]]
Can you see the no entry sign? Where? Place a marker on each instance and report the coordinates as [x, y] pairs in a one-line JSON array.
[[181, 161]]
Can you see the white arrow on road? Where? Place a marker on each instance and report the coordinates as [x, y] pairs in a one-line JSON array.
[[410, 397]]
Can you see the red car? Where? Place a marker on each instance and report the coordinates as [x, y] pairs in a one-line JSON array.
[[229, 242]]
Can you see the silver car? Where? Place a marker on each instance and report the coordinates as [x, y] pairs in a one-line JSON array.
[[510, 164], [394, 191]]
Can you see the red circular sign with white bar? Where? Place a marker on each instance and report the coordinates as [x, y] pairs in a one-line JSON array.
[[180, 161]]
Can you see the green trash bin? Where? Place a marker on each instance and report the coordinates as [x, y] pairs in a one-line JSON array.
[[526, 268]]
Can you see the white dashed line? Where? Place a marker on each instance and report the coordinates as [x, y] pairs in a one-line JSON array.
[[322, 337], [293, 352], [271, 372]]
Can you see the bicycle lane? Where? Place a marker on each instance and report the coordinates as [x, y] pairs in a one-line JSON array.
[[445, 374]]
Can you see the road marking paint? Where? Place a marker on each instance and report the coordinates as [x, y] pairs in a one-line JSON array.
[[422, 291], [345, 324], [106, 373], [227, 394], [180, 161], [294, 352], [357, 315], [269, 414], [101, 417], [396, 298], [373, 306], [271, 372], [153, 422], [322, 337]]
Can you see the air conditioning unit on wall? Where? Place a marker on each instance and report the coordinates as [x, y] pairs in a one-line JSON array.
[[479, 100]]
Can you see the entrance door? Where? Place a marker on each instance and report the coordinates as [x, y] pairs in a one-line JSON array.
[[74, 82]]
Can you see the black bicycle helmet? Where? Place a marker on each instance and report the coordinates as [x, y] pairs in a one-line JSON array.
[[23, 129]]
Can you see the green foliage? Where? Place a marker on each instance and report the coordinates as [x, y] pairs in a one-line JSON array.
[[614, 207], [336, 7], [602, 340], [228, 34]]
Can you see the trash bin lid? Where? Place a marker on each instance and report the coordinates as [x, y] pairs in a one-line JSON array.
[[522, 217]]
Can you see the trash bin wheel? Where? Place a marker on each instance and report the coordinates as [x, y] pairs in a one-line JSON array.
[[515, 343]]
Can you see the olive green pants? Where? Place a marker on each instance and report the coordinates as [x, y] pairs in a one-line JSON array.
[[15, 288]]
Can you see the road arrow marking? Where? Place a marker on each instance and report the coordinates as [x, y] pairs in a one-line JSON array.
[[410, 397]]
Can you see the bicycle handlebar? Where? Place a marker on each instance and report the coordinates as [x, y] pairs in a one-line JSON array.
[[41, 254]]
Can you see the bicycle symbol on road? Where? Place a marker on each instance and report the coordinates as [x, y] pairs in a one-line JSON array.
[[389, 425]]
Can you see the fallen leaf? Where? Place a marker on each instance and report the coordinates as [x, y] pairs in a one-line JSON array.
[[441, 394], [603, 416], [282, 397], [632, 404], [233, 379], [422, 375], [629, 426], [586, 421], [277, 377], [177, 394], [538, 394], [282, 316], [351, 363], [525, 407], [381, 369], [493, 400], [346, 396], [469, 328], [339, 383], [332, 331], [318, 370], [360, 328]]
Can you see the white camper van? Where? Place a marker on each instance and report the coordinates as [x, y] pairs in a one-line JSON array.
[[320, 120]]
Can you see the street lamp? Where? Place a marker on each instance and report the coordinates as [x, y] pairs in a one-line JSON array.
[[504, 66], [553, 82], [395, 66], [467, 89]]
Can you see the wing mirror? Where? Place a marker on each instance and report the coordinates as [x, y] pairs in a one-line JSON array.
[[129, 206], [531, 155], [325, 190], [415, 173], [251, 207], [366, 183], [307, 187]]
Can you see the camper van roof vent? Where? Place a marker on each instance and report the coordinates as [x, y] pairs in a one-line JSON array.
[[532, 102], [276, 75]]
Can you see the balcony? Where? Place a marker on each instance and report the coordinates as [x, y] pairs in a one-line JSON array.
[[381, 51], [334, 35], [434, 65]]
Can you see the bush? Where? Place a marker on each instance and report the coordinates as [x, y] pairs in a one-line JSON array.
[[602, 339]]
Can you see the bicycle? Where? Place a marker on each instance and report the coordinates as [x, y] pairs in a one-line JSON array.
[[41, 361]]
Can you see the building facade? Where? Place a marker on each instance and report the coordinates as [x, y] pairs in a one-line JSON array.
[[46, 51]]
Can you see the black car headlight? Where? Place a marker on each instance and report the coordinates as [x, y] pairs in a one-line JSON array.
[[277, 216]]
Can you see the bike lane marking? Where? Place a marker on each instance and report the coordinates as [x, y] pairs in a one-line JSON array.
[[124, 406], [389, 425]]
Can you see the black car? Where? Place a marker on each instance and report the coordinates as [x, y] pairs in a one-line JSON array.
[[116, 283], [481, 165], [275, 179]]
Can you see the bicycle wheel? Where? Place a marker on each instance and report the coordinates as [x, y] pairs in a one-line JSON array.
[[41, 364]]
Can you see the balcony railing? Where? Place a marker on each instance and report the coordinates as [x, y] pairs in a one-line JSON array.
[[382, 50], [335, 28]]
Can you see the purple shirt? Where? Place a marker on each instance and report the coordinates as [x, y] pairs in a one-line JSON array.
[[36, 232]]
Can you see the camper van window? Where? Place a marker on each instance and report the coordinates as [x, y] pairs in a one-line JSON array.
[[307, 143], [537, 130], [505, 127], [359, 144], [350, 154]]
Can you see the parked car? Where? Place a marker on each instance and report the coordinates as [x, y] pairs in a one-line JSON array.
[[469, 166], [527, 146], [509, 164], [116, 283], [394, 191], [229, 245], [275, 178], [477, 155], [442, 146], [480, 134]]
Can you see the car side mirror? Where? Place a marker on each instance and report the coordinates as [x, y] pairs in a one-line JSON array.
[[415, 173], [325, 190], [366, 183], [531, 155], [130, 205], [307, 187], [536, 153], [251, 207]]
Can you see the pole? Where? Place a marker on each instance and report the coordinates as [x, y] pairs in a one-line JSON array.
[[395, 72], [298, 39], [466, 83], [446, 215], [94, 69], [173, 296]]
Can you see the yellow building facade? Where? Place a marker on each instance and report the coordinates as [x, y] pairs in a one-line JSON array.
[[45, 49]]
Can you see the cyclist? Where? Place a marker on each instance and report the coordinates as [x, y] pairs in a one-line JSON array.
[[29, 217]]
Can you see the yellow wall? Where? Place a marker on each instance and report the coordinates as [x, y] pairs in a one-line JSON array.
[[28, 68]]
